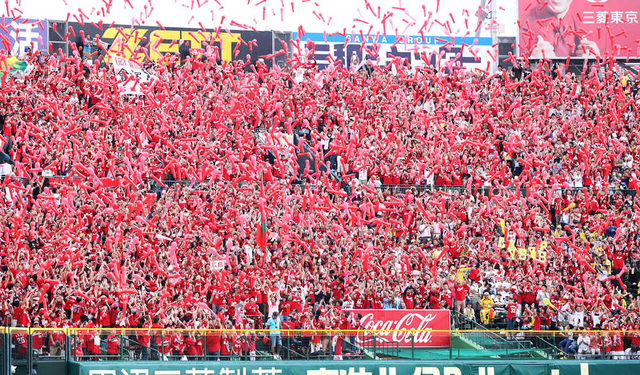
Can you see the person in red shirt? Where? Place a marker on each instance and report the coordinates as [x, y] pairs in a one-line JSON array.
[[177, 344], [447, 296], [635, 341], [434, 298], [94, 344], [606, 341], [144, 339], [37, 338], [56, 340], [251, 342], [213, 341], [200, 345], [77, 351], [461, 291], [474, 274], [619, 257], [19, 339], [617, 346], [408, 298], [512, 310], [104, 317], [251, 310], [191, 349], [225, 345], [286, 310], [113, 345], [165, 344]]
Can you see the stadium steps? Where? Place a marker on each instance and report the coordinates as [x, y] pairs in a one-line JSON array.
[[484, 339]]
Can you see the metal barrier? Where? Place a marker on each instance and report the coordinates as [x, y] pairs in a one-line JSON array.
[[49, 350], [365, 367]]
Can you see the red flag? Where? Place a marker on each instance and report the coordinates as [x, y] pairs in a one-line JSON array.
[[261, 233]]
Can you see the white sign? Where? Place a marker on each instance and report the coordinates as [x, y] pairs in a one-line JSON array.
[[131, 75]]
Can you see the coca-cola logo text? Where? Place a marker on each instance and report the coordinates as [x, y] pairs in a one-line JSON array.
[[406, 327]]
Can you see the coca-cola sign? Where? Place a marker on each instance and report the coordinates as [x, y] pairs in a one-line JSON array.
[[420, 328]]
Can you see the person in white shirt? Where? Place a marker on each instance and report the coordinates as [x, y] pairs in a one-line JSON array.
[[631, 353], [584, 341], [6, 169], [425, 233], [429, 177], [541, 295], [577, 318]]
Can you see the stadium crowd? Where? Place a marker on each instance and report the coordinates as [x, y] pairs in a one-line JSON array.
[[379, 188]]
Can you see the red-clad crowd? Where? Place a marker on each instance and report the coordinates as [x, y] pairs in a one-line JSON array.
[[236, 196]]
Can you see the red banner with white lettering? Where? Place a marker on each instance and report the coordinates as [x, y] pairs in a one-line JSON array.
[[579, 28], [399, 321]]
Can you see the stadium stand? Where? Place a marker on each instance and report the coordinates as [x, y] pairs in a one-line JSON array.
[[232, 196]]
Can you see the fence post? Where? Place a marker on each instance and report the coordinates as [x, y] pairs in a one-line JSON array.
[[413, 348], [162, 346], [450, 341], [29, 352], [120, 349], [458, 347], [331, 352], [374, 346], [6, 348], [67, 347]]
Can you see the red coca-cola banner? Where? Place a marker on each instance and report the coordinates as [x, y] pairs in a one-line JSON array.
[[579, 28], [398, 320]]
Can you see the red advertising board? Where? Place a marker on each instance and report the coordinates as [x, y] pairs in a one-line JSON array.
[[398, 321], [579, 28]]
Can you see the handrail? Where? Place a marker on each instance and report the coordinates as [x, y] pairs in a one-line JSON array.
[[484, 329], [549, 345], [245, 330], [139, 344], [380, 348]]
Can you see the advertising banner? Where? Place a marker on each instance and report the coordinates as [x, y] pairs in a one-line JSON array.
[[153, 43], [579, 28], [17, 35], [398, 320], [477, 367], [418, 50]]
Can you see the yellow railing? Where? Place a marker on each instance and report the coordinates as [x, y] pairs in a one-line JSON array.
[[71, 331]]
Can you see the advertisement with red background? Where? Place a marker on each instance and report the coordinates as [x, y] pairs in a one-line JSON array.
[[579, 28], [408, 319]]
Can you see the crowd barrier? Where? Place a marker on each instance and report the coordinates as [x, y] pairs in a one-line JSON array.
[[51, 350], [516, 367]]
